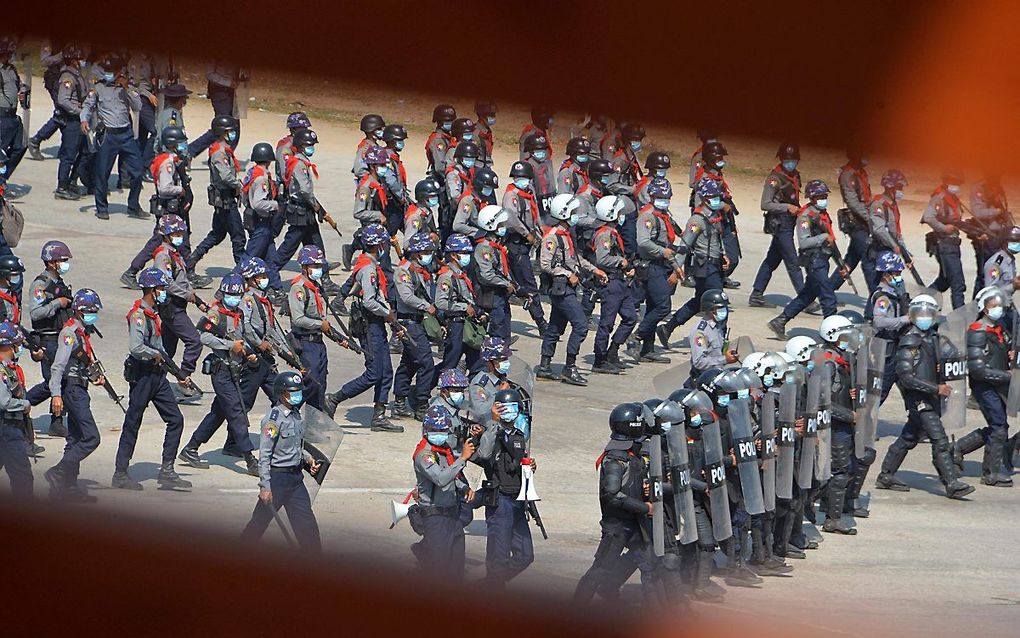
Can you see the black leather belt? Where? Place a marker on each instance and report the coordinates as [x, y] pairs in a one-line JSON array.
[[410, 316], [121, 129], [8, 112]]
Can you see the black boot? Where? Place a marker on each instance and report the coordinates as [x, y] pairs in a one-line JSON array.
[[664, 332], [544, 370], [759, 564], [329, 287], [735, 573], [56, 476], [420, 412], [332, 401], [379, 421], [992, 472], [853, 489], [347, 253], [168, 479], [130, 279], [251, 464], [613, 358], [189, 456], [813, 308], [199, 281], [602, 366], [704, 589], [887, 480], [57, 427], [572, 376], [778, 326], [964, 446], [649, 355], [63, 192], [122, 481], [943, 462], [757, 300], [835, 495], [399, 408], [33, 150]]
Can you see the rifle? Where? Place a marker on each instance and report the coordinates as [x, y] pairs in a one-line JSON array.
[[170, 366], [907, 258], [26, 103], [95, 371], [973, 227], [535, 516], [833, 249], [283, 351], [352, 343]]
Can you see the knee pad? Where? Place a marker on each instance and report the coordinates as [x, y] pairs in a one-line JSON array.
[[869, 456]]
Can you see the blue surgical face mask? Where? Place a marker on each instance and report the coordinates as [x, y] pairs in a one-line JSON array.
[[522, 183], [382, 170], [635, 145], [467, 137], [720, 163], [715, 203], [464, 260], [161, 296], [574, 218], [182, 148], [486, 191], [108, 77], [232, 136], [20, 350], [437, 438], [399, 145], [723, 400], [604, 179], [315, 274], [661, 203], [789, 165], [665, 426], [501, 231], [809, 366], [446, 126], [82, 64], [262, 283], [661, 172], [15, 279], [1013, 247], [490, 120], [426, 259], [924, 323], [953, 188], [503, 367], [822, 203], [3, 169], [995, 313], [582, 159], [842, 345], [457, 398], [378, 133], [896, 280], [695, 420], [89, 318], [744, 394], [63, 267], [767, 381], [296, 398], [309, 151], [433, 202], [177, 241], [508, 412], [721, 314], [899, 194], [522, 423], [231, 301], [468, 162], [541, 155]]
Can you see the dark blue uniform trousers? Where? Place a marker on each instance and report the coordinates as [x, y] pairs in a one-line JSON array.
[[857, 253], [228, 405], [524, 277], [499, 315], [993, 408], [415, 362], [508, 548], [297, 236], [82, 431], [181, 328], [951, 272], [151, 387], [261, 377], [12, 142], [313, 357], [443, 540], [262, 244], [712, 279], [658, 299], [14, 459], [72, 148], [378, 367], [454, 348], [781, 250], [617, 300], [288, 487], [818, 286], [117, 143], [565, 308], [225, 221]]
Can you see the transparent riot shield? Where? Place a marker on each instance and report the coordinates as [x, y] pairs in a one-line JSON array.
[[1013, 396], [785, 461], [952, 366], [739, 412], [823, 455], [866, 429], [769, 407], [522, 379], [716, 479], [809, 443], [652, 450], [680, 476], [242, 96], [323, 437], [672, 379], [744, 347]]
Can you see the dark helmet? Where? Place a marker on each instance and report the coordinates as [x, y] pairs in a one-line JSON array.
[[372, 122], [484, 109], [288, 381], [597, 169], [172, 136], [9, 264], [627, 422], [889, 261], [304, 138], [507, 395], [788, 151], [394, 132], [298, 119], [263, 152], [426, 188], [578, 146], [462, 125], [660, 187], [668, 411], [855, 317], [541, 117], [153, 278], [8, 44], [485, 176], [714, 299], [222, 124], [657, 159], [893, 178], [632, 132], [708, 188], [437, 419], [535, 142], [816, 189], [522, 169], [707, 379], [713, 152], [54, 250], [705, 134], [467, 149], [1012, 235], [444, 113], [72, 51], [854, 154], [952, 176]]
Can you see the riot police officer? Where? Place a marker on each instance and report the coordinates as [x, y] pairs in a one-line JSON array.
[[538, 153], [573, 174], [422, 215], [75, 160], [625, 157], [918, 376], [11, 273], [414, 293], [484, 183], [224, 189], [780, 201], [853, 218], [496, 354], [542, 119], [50, 309], [439, 140], [455, 300], [15, 425], [616, 295], [884, 220], [836, 332], [395, 178], [657, 164], [308, 322], [260, 194], [709, 341], [523, 232], [486, 112], [459, 171], [943, 214], [463, 130], [492, 268], [887, 309]]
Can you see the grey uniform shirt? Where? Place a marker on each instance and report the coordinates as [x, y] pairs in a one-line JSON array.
[[418, 219], [466, 218], [811, 233], [439, 482], [984, 205], [853, 193], [9, 386], [412, 288], [653, 237], [260, 193], [522, 206], [435, 150], [493, 270], [885, 311], [71, 90], [260, 324], [301, 186], [1000, 270], [169, 261], [571, 177], [884, 216], [778, 186], [360, 168], [702, 236], [113, 104], [453, 294], [223, 167], [169, 116], [67, 343], [10, 83], [457, 180], [141, 70], [367, 205], [307, 307], [609, 254], [939, 206], [220, 331], [368, 280], [281, 444], [43, 306], [558, 256], [168, 180], [143, 341], [707, 340]]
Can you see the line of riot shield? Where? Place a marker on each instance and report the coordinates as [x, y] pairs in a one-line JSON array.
[[744, 347], [672, 379], [952, 366], [739, 412], [809, 442], [716, 478], [652, 450], [1013, 396], [680, 476], [323, 437], [786, 461], [823, 455], [769, 406]]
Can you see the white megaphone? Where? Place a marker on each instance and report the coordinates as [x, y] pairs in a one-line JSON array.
[[398, 509], [528, 491]]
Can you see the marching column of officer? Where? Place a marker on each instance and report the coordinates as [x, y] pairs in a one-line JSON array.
[[414, 293], [617, 297], [944, 215]]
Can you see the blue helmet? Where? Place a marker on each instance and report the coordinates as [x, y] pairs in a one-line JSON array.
[[55, 251], [494, 349], [889, 261], [458, 243], [10, 334], [374, 235], [708, 188], [421, 243], [298, 119], [86, 300], [816, 189], [170, 224], [660, 188], [153, 278], [252, 267], [894, 178], [437, 419], [452, 378], [232, 284], [311, 256]]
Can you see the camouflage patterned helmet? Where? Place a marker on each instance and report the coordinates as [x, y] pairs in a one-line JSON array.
[[170, 224], [374, 235], [252, 267], [452, 378], [232, 284], [311, 256], [421, 243], [11, 334], [55, 250], [298, 119], [437, 419], [494, 349], [816, 189], [709, 188], [660, 188], [458, 243], [153, 278], [889, 261], [376, 156], [86, 300], [893, 178]]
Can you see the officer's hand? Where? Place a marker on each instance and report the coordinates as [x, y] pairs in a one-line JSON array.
[[908, 264], [38, 355], [238, 346], [757, 445], [512, 288], [468, 451], [84, 127], [647, 489], [534, 465], [153, 100], [470, 496], [601, 275], [470, 311], [731, 357], [157, 359], [725, 262], [945, 390], [252, 358], [651, 509], [265, 346], [853, 393], [793, 209], [844, 272], [416, 495], [56, 406], [673, 278], [100, 380], [431, 310], [326, 328], [64, 302], [313, 467], [476, 430], [266, 496], [625, 264], [204, 307], [668, 253]]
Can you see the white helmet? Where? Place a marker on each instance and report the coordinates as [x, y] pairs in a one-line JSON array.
[[800, 348], [491, 216], [751, 361], [924, 301], [786, 357], [562, 206], [988, 293], [608, 208], [833, 326], [770, 365]]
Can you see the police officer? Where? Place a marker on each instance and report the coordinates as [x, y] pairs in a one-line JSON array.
[[422, 215], [780, 201], [561, 267], [395, 178], [943, 214], [711, 167], [853, 219], [542, 119], [222, 330], [492, 261], [12, 92], [53, 60], [625, 157], [836, 332], [502, 450], [221, 87], [538, 153], [73, 154], [989, 347], [439, 140], [1000, 269], [50, 309], [308, 322], [884, 216], [816, 243], [414, 293], [705, 136], [496, 354], [113, 100], [887, 310], [459, 172], [616, 295], [452, 384], [146, 377], [656, 247], [175, 98], [174, 311], [455, 300], [259, 193], [463, 130], [657, 164], [486, 112], [69, 381], [709, 339], [989, 206], [523, 232], [371, 200], [441, 488], [372, 126], [573, 171], [917, 374], [624, 504], [371, 285], [282, 456], [296, 122], [708, 256], [11, 272], [224, 189], [15, 425]]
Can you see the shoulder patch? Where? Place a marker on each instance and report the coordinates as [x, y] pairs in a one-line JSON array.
[[139, 320], [549, 244], [648, 223], [700, 339], [271, 429], [213, 317], [68, 339], [773, 181], [445, 286], [39, 294], [487, 255], [605, 243], [300, 294], [405, 277], [882, 303], [249, 304], [429, 459], [806, 224]]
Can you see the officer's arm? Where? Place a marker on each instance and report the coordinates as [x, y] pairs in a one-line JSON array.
[[931, 215], [805, 240], [992, 271], [850, 198], [437, 155], [486, 444], [839, 412], [884, 316], [694, 227], [879, 228], [979, 208], [64, 91], [906, 366], [769, 199], [41, 308], [212, 332], [180, 286], [645, 223], [60, 362], [165, 185], [260, 200], [489, 274], [267, 442], [87, 107], [565, 181], [977, 367], [453, 186], [302, 179], [298, 317], [604, 256], [462, 222], [611, 489], [440, 476], [221, 165], [249, 332], [360, 168], [371, 299], [695, 163], [7, 401]]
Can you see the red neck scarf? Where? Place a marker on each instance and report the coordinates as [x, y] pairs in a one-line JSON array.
[[216, 146], [150, 313], [560, 231], [310, 285], [11, 299], [363, 261], [459, 275], [80, 331], [666, 220], [376, 186], [612, 231], [438, 449]]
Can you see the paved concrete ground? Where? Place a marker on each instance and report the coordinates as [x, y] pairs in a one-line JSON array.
[[920, 564]]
